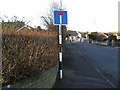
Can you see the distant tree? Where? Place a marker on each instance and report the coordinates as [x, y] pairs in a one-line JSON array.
[[1, 19], [13, 22], [93, 36], [104, 39], [39, 28], [112, 37]]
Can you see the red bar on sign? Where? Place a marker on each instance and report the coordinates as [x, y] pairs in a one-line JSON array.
[[60, 13]]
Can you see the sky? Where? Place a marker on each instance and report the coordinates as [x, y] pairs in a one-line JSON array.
[[83, 15]]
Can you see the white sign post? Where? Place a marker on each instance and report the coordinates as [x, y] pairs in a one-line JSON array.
[[60, 18], [60, 42]]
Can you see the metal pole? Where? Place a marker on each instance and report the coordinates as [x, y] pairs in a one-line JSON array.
[[60, 4], [60, 43]]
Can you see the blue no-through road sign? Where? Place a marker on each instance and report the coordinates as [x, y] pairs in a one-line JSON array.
[[63, 15]]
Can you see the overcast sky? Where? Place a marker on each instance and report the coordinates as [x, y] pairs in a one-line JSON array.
[[83, 15]]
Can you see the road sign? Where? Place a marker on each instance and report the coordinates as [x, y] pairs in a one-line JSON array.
[[60, 17]]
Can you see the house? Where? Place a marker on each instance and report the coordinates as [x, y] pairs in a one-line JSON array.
[[83, 37], [118, 37], [72, 36]]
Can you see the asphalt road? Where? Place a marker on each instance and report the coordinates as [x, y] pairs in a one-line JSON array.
[[103, 57], [83, 64]]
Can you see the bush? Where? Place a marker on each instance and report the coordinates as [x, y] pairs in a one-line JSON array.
[[105, 39], [27, 52]]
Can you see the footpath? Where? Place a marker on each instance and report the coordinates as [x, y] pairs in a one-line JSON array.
[[77, 72]]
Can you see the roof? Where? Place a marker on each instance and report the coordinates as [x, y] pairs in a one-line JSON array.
[[102, 35], [72, 33], [27, 27]]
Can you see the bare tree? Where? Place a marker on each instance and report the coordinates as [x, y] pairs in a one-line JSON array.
[[48, 19], [14, 21], [39, 28]]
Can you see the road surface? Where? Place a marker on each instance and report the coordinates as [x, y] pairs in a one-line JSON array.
[[88, 66], [105, 58]]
